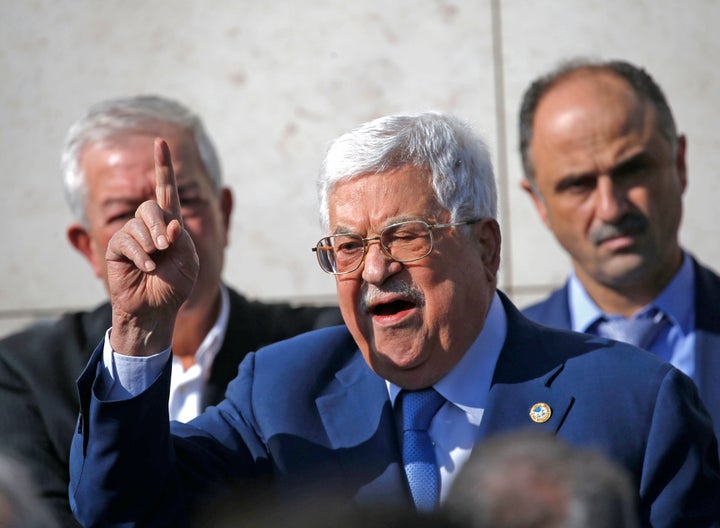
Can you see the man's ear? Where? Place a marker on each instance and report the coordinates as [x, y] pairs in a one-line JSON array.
[[537, 200], [680, 163], [487, 233], [80, 239], [226, 207]]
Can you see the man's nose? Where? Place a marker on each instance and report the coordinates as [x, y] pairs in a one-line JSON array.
[[378, 266], [611, 199]]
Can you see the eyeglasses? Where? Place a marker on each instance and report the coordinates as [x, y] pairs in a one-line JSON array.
[[404, 242]]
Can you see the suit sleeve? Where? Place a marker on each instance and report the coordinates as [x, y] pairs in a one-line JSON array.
[[680, 470], [24, 435], [128, 469]]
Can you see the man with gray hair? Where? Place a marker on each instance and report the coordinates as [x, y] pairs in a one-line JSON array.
[[385, 410], [108, 171]]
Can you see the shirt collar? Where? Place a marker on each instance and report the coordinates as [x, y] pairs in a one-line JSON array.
[[676, 300], [583, 311], [210, 346], [468, 383]]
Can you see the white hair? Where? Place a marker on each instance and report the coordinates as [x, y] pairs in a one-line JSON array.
[[122, 116], [457, 160]]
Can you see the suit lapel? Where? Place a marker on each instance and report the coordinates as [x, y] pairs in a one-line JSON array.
[[707, 332], [707, 368], [352, 409], [524, 378], [707, 339], [513, 406], [554, 311], [234, 347], [360, 425]]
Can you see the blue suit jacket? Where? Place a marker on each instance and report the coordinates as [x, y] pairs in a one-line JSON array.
[[309, 411], [555, 311]]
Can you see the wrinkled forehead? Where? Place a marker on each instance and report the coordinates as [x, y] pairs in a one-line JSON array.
[[181, 141], [372, 200], [105, 137], [131, 154]]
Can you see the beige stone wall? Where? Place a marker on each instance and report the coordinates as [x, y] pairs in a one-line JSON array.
[[276, 80]]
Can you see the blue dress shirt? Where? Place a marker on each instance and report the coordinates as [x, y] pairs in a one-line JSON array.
[[676, 343], [454, 429]]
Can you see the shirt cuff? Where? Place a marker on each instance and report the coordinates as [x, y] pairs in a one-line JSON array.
[[124, 377]]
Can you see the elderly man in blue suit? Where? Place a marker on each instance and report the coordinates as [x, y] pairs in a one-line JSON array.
[[384, 410], [605, 168]]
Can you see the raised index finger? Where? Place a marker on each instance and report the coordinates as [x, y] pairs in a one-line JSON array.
[[166, 192]]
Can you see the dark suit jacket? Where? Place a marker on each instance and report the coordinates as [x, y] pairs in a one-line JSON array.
[[39, 368], [555, 311], [310, 411]]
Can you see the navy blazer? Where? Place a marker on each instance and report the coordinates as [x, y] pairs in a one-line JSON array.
[[309, 410], [555, 311], [39, 367]]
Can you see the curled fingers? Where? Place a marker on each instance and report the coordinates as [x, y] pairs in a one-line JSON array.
[[142, 236]]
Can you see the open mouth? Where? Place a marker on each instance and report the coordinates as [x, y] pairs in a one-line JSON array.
[[391, 308]]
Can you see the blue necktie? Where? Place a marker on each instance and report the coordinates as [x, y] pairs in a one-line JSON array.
[[418, 452], [639, 330]]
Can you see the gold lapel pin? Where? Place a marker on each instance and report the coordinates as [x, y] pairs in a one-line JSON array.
[[540, 412]]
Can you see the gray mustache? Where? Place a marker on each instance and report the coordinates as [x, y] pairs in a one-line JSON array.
[[627, 225], [374, 293]]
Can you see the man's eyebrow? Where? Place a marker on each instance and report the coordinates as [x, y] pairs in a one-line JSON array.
[[118, 201], [634, 162], [188, 185], [639, 160], [343, 230], [573, 179]]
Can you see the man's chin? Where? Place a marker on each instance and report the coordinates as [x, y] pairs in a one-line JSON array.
[[623, 270], [409, 375]]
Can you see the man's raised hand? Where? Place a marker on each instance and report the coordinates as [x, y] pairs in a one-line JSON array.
[[151, 267]]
